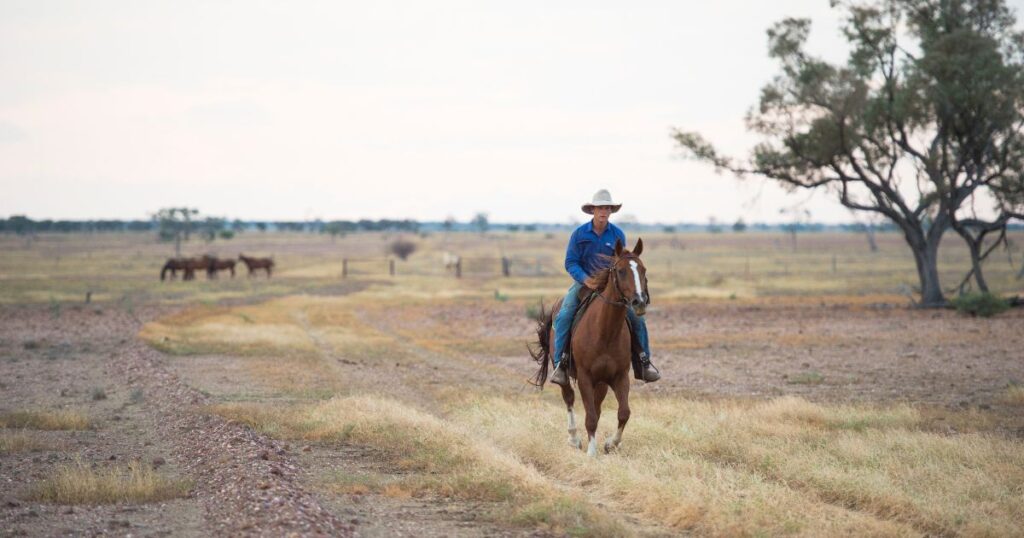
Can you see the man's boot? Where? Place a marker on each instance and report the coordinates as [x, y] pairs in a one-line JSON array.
[[650, 374], [560, 375]]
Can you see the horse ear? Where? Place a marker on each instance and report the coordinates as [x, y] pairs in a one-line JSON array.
[[639, 246], [618, 247]]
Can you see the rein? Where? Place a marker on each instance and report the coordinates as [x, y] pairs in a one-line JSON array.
[[622, 296]]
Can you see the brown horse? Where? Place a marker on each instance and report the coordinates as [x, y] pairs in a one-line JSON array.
[[600, 345], [257, 263], [173, 265], [191, 265], [216, 264]]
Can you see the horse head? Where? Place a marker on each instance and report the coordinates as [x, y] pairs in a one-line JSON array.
[[629, 276]]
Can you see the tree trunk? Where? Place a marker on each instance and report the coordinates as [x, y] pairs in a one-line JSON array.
[[926, 256], [869, 231], [975, 247]]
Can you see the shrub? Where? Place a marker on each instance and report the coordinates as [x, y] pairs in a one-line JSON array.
[[533, 311], [402, 248], [982, 304]]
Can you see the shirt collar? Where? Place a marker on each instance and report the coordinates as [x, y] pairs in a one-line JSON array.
[[590, 227]]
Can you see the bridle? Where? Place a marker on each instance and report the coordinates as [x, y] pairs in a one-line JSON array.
[[622, 296]]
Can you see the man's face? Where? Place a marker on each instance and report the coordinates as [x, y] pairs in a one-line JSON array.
[[601, 214]]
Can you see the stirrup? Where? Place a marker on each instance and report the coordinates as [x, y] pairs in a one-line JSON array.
[[646, 365], [561, 374]]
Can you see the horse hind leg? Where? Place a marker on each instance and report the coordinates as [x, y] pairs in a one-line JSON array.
[[621, 389], [569, 397]]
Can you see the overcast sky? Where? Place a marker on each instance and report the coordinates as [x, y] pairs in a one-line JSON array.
[[345, 110]]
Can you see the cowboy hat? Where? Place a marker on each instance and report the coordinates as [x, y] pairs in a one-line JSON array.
[[601, 197]]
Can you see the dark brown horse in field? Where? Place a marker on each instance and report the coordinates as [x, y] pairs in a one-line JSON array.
[[188, 265], [217, 264], [253, 264], [600, 344], [172, 266]]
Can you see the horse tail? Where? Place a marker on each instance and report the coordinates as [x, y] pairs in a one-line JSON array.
[[542, 355]]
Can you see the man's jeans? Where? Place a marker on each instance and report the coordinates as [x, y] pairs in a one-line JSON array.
[[563, 322]]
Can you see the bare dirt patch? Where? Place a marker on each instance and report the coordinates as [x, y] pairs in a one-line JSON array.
[[87, 359]]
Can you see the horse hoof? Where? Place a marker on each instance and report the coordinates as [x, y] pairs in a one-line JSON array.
[[608, 447], [576, 443]]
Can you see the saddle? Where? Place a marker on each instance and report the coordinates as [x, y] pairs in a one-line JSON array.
[[585, 296]]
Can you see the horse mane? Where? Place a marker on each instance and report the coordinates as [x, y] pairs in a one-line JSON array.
[[599, 281]]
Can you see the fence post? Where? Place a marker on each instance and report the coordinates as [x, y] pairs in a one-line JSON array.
[[458, 268], [391, 267], [505, 267], [344, 268]]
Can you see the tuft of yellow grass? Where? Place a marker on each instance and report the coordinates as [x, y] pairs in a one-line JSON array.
[[1014, 395], [64, 419], [132, 483], [21, 441]]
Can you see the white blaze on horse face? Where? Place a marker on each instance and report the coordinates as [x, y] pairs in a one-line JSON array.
[[636, 279]]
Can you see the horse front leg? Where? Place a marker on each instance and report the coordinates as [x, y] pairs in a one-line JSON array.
[[621, 388], [569, 397], [587, 391]]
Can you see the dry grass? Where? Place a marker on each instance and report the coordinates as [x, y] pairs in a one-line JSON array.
[[63, 419], [780, 467], [132, 483], [785, 467], [1014, 395], [260, 330], [440, 458], [21, 441]]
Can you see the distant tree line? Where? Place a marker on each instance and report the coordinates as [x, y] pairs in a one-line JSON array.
[[20, 224]]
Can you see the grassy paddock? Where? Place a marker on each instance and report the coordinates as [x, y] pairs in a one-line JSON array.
[[784, 466], [439, 456], [64, 419], [124, 268], [132, 483]]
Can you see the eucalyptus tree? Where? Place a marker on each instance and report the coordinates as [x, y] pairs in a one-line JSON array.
[[921, 123]]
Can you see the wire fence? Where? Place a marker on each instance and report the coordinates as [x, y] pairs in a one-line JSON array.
[[455, 267]]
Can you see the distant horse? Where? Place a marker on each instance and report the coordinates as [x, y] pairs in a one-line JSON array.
[[191, 265], [173, 265], [451, 261], [600, 344], [253, 264], [188, 265], [216, 264]]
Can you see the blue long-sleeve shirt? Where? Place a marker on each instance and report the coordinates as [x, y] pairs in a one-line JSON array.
[[583, 255]]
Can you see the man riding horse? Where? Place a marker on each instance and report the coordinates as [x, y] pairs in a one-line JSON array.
[[589, 248]]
